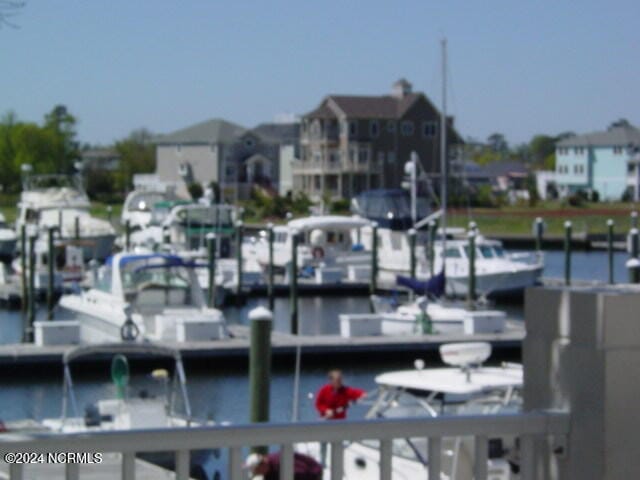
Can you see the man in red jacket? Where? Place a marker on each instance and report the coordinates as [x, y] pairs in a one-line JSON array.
[[333, 399]]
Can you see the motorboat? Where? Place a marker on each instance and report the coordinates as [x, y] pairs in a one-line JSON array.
[[161, 401], [464, 387], [137, 208], [59, 201], [8, 239], [324, 241], [151, 235], [144, 296]]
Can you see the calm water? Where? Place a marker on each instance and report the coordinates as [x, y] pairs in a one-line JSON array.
[[221, 392]]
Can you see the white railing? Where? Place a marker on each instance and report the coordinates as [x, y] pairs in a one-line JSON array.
[[526, 426]]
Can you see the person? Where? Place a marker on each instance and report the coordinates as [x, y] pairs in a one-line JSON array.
[[267, 467], [334, 398]]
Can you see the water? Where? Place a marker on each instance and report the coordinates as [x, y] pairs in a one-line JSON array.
[[221, 392]]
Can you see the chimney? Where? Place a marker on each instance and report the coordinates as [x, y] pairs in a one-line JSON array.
[[401, 88]]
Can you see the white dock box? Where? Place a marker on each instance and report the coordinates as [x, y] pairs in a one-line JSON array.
[[65, 332], [360, 325], [491, 321], [198, 330], [359, 273], [328, 275]]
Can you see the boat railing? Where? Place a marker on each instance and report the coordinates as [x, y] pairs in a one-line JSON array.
[[528, 427]]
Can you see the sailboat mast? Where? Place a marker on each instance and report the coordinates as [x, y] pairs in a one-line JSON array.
[[443, 152]]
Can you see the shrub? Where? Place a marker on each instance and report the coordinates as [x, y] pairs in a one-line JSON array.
[[195, 190]]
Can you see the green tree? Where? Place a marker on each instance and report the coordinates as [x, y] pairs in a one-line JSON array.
[[60, 126], [541, 148], [137, 155]]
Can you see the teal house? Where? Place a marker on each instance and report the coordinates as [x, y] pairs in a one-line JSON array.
[[603, 162]]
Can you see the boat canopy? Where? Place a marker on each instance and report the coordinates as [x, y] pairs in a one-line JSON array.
[[167, 259], [326, 222], [391, 208], [123, 348], [454, 380]]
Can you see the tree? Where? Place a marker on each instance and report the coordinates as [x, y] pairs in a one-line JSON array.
[[137, 155], [497, 142], [60, 124], [8, 9]]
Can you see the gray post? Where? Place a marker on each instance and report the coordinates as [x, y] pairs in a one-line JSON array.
[[633, 264], [580, 354], [539, 229], [24, 266], [211, 245], [109, 213], [239, 237], [293, 282], [51, 258], [270, 239], [127, 235], [610, 226], [412, 252], [374, 258], [634, 219], [471, 288], [77, 228], [32, 288], [567, 252], [432, 245], [260, 366]]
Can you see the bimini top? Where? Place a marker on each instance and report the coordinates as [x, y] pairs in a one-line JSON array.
[[454, 380], [325, 222], [123, 348], [168, 260]]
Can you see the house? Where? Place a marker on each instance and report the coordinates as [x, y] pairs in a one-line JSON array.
[[352, 143], [504, 177], [100, 159], [220, 151], [599, 162]]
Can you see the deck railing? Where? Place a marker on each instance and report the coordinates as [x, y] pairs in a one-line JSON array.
[[526, 426]]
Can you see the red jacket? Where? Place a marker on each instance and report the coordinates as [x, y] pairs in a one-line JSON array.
[[328, 398]]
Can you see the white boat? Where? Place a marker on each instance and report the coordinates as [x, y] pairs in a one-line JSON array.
[[162, 402], [8, 239], [466, 387], [139, 203], [60, 201], [152, 296], [326, 241]]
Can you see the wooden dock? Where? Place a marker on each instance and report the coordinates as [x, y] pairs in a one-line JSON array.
[[283, 346]]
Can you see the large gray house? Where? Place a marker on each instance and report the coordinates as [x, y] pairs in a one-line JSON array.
[[353, 143], [226, 153]]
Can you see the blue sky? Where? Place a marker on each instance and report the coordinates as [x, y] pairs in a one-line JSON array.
[[517, 68]]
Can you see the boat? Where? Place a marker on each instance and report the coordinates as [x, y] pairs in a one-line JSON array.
[[498, 272], [8, 239], [464, 387], [137, 208], [324, 242], [145, 297], [59, 201], [162, 401]]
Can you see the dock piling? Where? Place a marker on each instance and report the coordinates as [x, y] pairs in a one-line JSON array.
[[432, 243], [23, 274], [293, 282], [634, 219], [76, 225], [633, 264], [261, 320], [31, 295], [270, 294], [539, 231], [610, 225], [412, 252], [239, 239], [211, 246], [567, 252], [374, 257], [51, 257], [127, 235], [109, 213], [471, 290]]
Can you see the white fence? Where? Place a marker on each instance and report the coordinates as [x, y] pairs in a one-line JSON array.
[[527, 426]]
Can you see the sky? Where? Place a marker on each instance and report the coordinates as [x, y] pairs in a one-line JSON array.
[[514, 67]]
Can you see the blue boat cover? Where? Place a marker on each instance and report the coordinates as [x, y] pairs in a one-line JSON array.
[[434, 287]]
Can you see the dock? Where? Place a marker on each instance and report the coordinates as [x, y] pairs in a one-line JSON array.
[[283, 346]]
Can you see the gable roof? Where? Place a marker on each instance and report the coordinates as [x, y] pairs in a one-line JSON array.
[[216, 130], [284, 133], [363, 106], [619, 136]]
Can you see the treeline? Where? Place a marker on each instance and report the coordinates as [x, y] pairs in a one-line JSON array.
[[52, 147]]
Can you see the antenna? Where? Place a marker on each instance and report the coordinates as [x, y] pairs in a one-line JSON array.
[[443, 154]]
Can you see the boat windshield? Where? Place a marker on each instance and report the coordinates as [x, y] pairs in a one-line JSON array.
[[155, 283], [143, 202], [206, 217]]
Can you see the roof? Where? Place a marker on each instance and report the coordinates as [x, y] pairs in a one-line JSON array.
[[618, 136], [328, 221], [284, 133], [215, 130], [453, 380], [360, 106], [497, 169], [100, 153]]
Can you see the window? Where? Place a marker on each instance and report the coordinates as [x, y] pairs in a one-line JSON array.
[[391, 157], [249, 143], [363, 156], [453, 252], [407, 128], [352, 154], [380, 158], [429, 129], [316, 182], [391, 126], [353, 129], [316, 157], [374, 128]]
